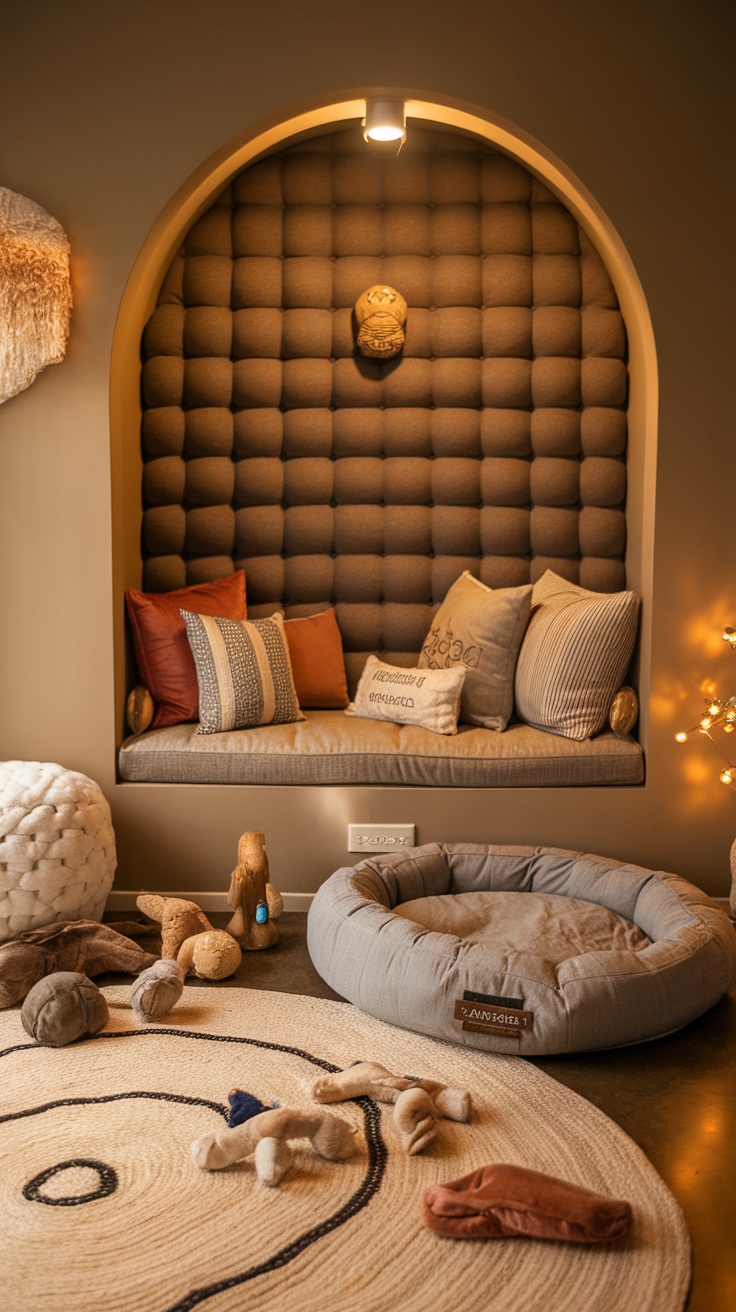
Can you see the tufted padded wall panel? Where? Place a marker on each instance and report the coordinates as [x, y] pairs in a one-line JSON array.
[[495, 442]]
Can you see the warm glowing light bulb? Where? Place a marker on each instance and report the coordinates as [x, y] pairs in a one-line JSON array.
[[726, 777], [681, 737], [714, 707], [706, 722], [728, 726], [384, 119], [386, 133], [729, 635]]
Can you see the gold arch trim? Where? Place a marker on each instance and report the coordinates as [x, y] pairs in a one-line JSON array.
[[309, 118]]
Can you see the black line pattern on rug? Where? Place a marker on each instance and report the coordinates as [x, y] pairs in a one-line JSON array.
[[107, 1179], [368, 1188], [116, 1097]]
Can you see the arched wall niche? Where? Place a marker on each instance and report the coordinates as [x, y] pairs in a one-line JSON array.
[[202, 189]]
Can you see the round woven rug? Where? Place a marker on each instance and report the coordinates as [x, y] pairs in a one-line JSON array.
[[104, 1211]]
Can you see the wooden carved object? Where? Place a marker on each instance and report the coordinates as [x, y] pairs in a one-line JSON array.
[[380, 314], [253, 899], [624, 712], [139, 709]]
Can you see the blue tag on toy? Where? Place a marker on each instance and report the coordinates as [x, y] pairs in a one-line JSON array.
[[243, 1106], [261, 913]]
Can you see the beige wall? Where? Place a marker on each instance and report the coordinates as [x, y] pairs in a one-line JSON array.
[[106, 110]]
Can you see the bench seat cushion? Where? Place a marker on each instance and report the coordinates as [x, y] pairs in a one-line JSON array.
[[329, 748]]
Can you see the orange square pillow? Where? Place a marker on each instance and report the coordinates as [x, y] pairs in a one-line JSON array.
[[317, 661], [162, 650]]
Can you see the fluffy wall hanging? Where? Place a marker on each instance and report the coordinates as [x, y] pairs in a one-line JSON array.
[[35, 292]]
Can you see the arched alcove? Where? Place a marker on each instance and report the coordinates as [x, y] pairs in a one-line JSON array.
[[203, 188]]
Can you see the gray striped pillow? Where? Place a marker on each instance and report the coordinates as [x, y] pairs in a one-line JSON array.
[[574, 656], [243, 672]]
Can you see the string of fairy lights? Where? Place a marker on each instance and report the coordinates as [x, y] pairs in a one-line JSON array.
[[720, 716]]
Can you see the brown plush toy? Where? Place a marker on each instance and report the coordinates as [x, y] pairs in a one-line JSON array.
[[82, 946], [188, 937]]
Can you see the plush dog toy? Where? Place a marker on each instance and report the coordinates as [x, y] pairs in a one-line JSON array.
[[63, 1007], [81, 946], [188, 937], [417, 1102], [506, 1201], [157, 990], [266, 1136]]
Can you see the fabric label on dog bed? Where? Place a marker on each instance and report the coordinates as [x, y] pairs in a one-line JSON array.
[[490, 1017]]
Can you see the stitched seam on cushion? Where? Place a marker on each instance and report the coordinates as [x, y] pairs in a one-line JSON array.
[[420, 756]]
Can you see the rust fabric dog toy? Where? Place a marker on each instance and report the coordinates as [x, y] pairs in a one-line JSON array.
[[503, 1201]]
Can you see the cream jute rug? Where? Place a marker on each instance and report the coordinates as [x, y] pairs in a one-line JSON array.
[[103, 1209]]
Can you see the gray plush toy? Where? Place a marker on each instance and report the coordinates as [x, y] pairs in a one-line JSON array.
[[63, 1007], [157, 990]]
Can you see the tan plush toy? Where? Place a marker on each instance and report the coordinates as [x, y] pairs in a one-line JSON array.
[[266, 1136], [188, 937], [417, 1103]]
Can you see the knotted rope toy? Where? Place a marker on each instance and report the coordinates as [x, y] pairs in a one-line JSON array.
[[265, 1135], [417, 1102]]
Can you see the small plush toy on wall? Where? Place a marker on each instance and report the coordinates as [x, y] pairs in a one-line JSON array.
[[380, 314], [255, 901]]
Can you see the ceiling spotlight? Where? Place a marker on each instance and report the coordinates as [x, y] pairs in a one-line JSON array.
[[384, 120]]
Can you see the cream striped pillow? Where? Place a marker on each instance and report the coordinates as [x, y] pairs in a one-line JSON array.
[[574, 656], [243, 672]]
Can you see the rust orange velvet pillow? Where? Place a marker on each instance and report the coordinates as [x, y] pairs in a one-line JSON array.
[[317, 661], [165, 661]]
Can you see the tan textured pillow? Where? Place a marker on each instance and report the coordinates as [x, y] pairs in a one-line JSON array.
[[429, 698], [243, 672], [482, 628], [574, 656]]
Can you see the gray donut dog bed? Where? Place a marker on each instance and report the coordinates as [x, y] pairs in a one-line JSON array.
[[523, 950]]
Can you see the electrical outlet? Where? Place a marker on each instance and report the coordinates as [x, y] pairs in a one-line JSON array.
[[380, 838]]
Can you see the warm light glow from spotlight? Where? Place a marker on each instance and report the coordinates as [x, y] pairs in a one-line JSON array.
[[681, 737], [726, 777], [384, 120], [386, 133]]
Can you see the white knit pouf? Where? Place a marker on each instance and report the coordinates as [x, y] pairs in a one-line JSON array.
[[57, 846]]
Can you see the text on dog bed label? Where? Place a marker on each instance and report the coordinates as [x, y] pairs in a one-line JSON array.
[[492, 1019]]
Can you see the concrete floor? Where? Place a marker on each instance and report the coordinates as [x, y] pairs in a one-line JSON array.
[[675, 1097]]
